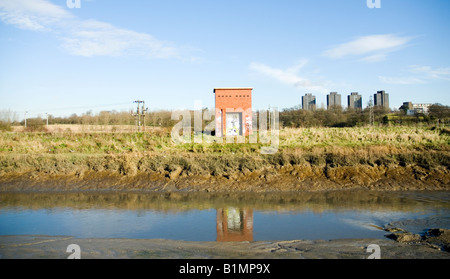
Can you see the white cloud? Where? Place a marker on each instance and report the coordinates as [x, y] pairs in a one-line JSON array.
[[31, 15], [84, 37], [401, 80], [92, 38], [420, 75], [374, 58], [439, 73], [373, 48], [290, 76]]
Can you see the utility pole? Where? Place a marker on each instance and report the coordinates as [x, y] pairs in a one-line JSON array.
[[26, 118], [46, 114], [140, 112]]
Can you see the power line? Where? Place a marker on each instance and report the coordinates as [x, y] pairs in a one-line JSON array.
[[81, 107]]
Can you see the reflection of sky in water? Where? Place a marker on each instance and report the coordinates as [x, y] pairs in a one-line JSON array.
[[133, 216], [310, 226], [198, 225], [109, 223]]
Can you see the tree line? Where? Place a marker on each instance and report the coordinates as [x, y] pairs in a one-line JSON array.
[[294, 117], [338, 117]]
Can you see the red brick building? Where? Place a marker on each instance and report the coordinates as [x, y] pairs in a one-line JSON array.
[[233, 111]]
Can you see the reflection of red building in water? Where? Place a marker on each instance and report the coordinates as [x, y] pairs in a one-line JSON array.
[[234, 224]]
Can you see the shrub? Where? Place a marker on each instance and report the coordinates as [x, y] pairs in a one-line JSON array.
[[6, 127], [35, 125]]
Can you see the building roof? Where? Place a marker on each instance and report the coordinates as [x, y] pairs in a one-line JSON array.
[[233, 88]]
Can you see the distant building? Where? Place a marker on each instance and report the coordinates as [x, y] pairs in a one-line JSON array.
[[381, 99], [309, 102], [334, 100], [421, 108], [355, 101], [414, 109], [407, 107]]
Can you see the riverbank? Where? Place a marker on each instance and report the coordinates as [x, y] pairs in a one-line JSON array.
[[313, 159], [284, 179]]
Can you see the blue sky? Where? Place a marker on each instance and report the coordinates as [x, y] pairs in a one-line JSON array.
[[108, 53]]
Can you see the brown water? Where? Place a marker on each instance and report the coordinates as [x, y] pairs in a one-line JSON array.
[[222, 217]]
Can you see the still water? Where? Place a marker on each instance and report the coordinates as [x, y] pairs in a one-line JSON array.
[[224, 217]]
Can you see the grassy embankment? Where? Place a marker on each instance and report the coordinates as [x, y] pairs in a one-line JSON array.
[[308, 158]]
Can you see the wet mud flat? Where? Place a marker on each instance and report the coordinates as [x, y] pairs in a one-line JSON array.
[[404, 239], [55, 247]]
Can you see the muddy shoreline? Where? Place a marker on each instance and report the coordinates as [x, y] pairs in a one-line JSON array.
[[54, 247], [281, 179]]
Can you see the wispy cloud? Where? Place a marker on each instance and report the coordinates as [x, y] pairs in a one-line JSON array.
[[94, 38], [401, 80], [290, 76], [427, 71], [371, 48], [36, 15], [374, 58], [84, 37], [418, 75]]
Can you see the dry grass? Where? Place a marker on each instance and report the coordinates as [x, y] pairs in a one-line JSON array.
[[116, 140], [362, 136], [129, 153]]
